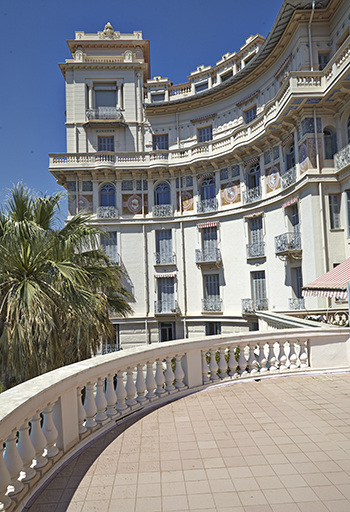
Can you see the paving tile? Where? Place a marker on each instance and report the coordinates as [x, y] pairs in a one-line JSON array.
[[173, 503], [147, 504]]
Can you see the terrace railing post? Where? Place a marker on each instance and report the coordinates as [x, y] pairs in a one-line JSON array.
[[5, 480], [65, 418]]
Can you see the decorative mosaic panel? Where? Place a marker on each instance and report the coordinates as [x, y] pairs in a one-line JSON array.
[[307, 154], [230, 193], [127, 185], [308, 125], [132, 203], [235, 171], [138, 185], [276, 152], [273, 178], [84, 203], [224, 174], [87, 186], [189, 181], [186, 199], [71, 186], [267, 157]]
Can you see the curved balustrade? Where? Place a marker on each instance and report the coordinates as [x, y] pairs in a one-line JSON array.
[[162, 210], [289, 177], [251, 194], [118, 384], [107, 212], [207, 205]]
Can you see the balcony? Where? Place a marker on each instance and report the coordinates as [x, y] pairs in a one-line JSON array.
[[162, 210], [112, 252], [103, 113], [164, 258], [289, 177], [212, 305], [206, 256], [342, 159], [108, 348], [295, 304], [166, 307], [207, 205], [288, 245], [250, 195], [107, 212], [256, 250], [250, 306]]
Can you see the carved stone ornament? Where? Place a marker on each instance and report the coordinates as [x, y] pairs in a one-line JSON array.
[[79, 55], [108, 33]]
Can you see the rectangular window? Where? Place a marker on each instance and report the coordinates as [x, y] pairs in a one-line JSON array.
[[105, 143], [109, 244], [105, 98], [259, 286], [209, 243], [334, 210], [297, 282], [323, 59], [164, 247], [160, 141], [166, 294], [205, 134], [226, 76], [158, 97], [250, 114], [212, 328], [211, 286], [256, 230], [348, 209], [201, 87]]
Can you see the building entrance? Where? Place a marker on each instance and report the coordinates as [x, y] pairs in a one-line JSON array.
[[166, 331]]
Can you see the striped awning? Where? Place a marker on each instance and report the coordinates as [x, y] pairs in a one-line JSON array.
[[252, 160], [282, 66], [331, 284], [292, 201], [252, 215], [160, 276], [287, 139], [207, 225]]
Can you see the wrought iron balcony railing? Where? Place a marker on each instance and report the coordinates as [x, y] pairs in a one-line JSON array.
[[208, 256], [288, 243], [164, 258], [212, 305], [256, 250], [207, 205], [342, 158], [250, 306], [289, 177], [295, 304], [107, 348], [107, 212], [162, 210], [104, 113], [112, 251], [166, 307], [251, 194]]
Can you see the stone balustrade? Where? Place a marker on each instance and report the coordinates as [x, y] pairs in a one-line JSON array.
[[44, 421]]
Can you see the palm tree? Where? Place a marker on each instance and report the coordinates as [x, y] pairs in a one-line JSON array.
[[56, 287]]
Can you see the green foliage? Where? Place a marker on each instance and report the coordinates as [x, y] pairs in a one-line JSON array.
[[56, 287]]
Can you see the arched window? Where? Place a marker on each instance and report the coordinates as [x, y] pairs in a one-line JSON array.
[[348, 130], [207, 188], [330, 145], [253, 177], [107, 195], [290, 157], [162, 193]]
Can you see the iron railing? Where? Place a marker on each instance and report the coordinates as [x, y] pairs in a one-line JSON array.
[[107, 212], [112, 252], [251, 194], [295, 304], [104, 113], [208, 255], [164, 258], [250, 306], [162, 210], [256, 250], [166, 307], [342, 158], [212, 305], [287, 242], [207, 205], [289, 177]]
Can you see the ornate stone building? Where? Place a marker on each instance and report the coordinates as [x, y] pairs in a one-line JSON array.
[[221, 195]]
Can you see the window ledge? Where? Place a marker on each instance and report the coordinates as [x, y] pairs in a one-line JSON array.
[[336, 229]]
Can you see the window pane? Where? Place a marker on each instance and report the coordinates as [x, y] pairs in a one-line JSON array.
[[205, 134], [164, 243], [334, 210], [105, 99], [160, 142], [106, 144], [259, 287]]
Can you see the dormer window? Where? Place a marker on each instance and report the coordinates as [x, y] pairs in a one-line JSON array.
[[227, 76], [159, 96], [201, 86]]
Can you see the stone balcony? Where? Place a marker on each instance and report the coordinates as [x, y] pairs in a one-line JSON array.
[[122, 435]]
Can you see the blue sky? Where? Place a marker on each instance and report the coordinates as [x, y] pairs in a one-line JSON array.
[[182, 34]]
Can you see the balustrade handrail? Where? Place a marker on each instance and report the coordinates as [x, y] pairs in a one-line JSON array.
[[288, 242], [207, 255], [342, 158], [67, 429]]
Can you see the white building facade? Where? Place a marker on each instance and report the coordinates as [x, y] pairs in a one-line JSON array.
[[223, 195]]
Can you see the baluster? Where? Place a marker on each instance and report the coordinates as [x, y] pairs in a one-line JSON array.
[[222, 364], [5, 481], [121, 392], [150, 382], [179, 373], [304, 362], [160, 379], [38, 441], [252, 362], [232, 362], [213, 365], [90, 405], [272, 358], [169, 376], [50, 432], [262, 358], [242, 362], [111, 397], [293, 358], [130, 388], [140, 385], [283, 359], [13, 462], [205, 368], [26, 451], [81, 413], [101, 402]]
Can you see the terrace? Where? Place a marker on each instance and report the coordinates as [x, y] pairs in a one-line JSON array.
[[190, 425]]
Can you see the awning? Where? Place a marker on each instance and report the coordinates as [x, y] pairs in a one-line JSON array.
[[331, 284], [207, 225], [252, 215], [292, 201], [159, 276], [287, 139]]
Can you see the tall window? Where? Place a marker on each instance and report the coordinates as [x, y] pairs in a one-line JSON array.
[[105, 96], [107, 195], [106, 143], [348, 209], [166, 294], [297, 282], [259, 288], [334, 210], [323, 59], [209, 243], [330, 143], [164, 246], [250, 114], [160, 141], [290, 157], [253, 177], [211, 286], [205, 134], [162, 193], [294, 217], [109, 243], [207, 188], [256, 237]]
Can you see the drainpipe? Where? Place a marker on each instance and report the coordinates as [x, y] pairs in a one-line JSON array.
[[184, 276], [310, 47], [145, 259]]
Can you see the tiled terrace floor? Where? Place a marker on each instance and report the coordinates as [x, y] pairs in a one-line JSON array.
[[279, 445]]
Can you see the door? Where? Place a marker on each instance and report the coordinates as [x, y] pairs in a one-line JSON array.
[[166, 299], [166, 331], [209, 243], [164, 246], [256, 236], [259, 290]]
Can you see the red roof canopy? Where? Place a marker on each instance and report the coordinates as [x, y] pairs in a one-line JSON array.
[[332, 283]]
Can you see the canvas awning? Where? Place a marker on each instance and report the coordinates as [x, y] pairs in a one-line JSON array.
[[331, 284]]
